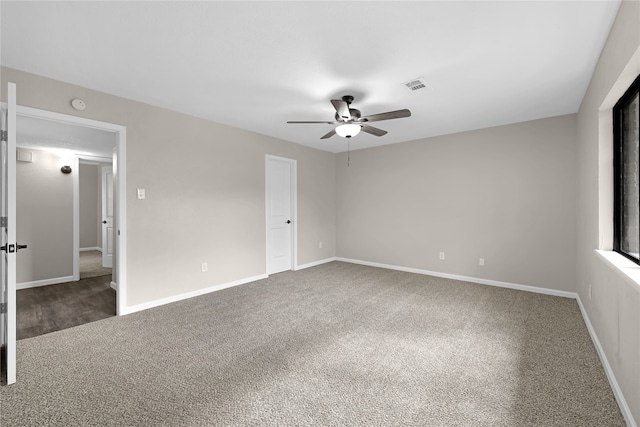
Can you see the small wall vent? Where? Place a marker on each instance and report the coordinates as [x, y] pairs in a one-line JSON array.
[[417, 84]]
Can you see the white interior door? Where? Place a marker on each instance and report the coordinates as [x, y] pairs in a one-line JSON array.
[[8, 235], [107, 216], [280, 182]]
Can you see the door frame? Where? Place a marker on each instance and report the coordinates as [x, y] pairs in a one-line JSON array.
[[120, 214], [294, 209]]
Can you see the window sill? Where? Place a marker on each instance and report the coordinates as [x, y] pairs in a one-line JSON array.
[[627, 269]]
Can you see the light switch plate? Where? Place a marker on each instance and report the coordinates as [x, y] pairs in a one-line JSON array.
[[141, 194]]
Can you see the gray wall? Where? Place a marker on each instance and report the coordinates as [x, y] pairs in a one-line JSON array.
[[614, 307], [44, 205], [505, 194], [89, 196], [205, 199]]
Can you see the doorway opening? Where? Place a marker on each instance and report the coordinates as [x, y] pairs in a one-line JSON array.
[[97, 146]]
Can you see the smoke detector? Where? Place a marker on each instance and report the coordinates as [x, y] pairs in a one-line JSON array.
[[78, 104]]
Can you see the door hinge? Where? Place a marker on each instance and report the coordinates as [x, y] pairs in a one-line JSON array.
[[3, 136], [4, 221], [3, 308]]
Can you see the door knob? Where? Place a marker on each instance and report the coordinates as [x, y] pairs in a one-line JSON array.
[[104, 222], [19, 246], [288, 221]]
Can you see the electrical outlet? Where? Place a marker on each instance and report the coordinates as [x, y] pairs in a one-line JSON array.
[[481, 262], [319, 245], [441, 255], [204, 267]]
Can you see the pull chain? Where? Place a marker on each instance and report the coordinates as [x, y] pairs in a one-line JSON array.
[[348, 151]]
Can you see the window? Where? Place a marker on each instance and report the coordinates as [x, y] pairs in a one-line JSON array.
[[626, 169]]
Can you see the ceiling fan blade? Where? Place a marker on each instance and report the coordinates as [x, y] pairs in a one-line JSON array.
[[373, 131], [398, 114], [330, 134], [302, 122], [342, 108]]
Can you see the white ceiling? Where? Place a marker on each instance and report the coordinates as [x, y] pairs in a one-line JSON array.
[[255, 65]]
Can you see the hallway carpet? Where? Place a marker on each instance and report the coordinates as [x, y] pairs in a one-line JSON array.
[[91, 265]]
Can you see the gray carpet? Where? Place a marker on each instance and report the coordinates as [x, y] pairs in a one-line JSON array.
[[91, 265], [333, 345]]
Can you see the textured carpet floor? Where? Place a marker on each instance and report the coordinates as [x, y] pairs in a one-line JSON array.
[[337, 344], [91, 265]]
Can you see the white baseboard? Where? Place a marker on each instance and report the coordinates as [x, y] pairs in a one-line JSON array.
[[175, 298], [44, 282], [95, 248], [499, 284], [114, 286], [617, 392], [314, 263], [168, 300]]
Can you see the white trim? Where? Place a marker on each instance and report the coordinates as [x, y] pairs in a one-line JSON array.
[[76, 219], [626, 269], [114, 286], [94, 248], [617, 392], [121, 218], [87, 159], [44, 282], [499, 284], [199, 292], [605, 150], [294, 201], [315, 263], [65, 118]]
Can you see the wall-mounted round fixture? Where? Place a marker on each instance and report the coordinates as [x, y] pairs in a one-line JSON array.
[[78, 104], [65, 169]]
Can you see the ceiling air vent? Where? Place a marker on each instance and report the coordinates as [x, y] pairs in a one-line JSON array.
[[417, 84]]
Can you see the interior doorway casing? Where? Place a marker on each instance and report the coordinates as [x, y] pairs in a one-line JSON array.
[[120, 205]]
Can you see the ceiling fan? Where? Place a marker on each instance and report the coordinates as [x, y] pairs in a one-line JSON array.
[[350, 122]]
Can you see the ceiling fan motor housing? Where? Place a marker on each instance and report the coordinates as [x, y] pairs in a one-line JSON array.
[[355, 115], [348, 99]]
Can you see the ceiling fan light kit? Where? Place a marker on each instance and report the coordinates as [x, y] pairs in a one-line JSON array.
[[348, 130], [350, 122]]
